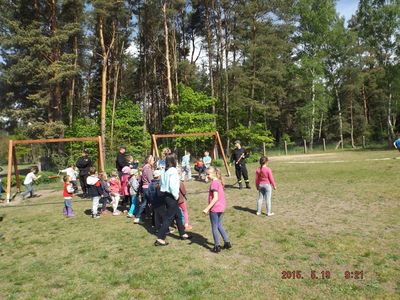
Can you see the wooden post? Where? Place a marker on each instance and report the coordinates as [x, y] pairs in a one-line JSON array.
[[223, 153], [100, 156], [264, 152], [305, 146], [363, 141], [16, 170], [9, 168], [285, 148], [154, 138], [323, 141], [214, 149]]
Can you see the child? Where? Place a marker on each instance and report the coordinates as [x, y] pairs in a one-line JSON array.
[[207, 159], [157, 203], [95, 190], [216, 207], [115, 186], [264, 181], [207, 162], [124, 187], [28, 182], [68, 193], [106, 193], [72, 173], [199, 167], [133, 191], [183, 206], [185, 167]]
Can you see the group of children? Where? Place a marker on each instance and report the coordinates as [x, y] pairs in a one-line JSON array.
[[131, 188]]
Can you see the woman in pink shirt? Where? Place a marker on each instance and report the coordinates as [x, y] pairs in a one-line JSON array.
[[216, 207], [264, 184]]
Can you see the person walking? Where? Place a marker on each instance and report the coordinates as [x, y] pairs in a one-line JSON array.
[[264, 184], [169, 188], [84, 164], [121, 161], [238, 157]]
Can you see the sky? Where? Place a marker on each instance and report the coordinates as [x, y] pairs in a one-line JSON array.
[[346, 8]]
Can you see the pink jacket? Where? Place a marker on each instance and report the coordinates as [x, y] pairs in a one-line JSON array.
[[115, 185], [264, 176], [124, 185]]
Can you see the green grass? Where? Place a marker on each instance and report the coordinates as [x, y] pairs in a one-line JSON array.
[[334, 212]]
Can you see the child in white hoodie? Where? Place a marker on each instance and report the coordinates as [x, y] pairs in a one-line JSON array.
[[95, 190]]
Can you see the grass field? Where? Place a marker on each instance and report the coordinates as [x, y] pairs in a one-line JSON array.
[[335, 212]]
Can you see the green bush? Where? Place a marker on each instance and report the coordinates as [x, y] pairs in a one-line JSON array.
[[218, 163]]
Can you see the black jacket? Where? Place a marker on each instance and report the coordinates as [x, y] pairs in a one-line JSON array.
[[121, 162], [94, 187], [84, 163], [237, 153]]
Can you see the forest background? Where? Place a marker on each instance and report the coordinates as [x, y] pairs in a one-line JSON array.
[[273, 71]]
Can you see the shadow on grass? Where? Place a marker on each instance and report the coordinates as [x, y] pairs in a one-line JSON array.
[[246, 209], [38, 204], [196, 239]]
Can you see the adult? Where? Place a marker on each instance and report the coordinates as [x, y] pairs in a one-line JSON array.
[[238, 157], [147, 177], [396, 143], [121, 160], [84, 164], [169, 189]]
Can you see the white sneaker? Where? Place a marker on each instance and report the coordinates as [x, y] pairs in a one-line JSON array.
[[270, 214], [258, 214], [130, 216], [116, 213]]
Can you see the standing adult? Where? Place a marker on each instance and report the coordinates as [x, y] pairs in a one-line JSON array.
[[147, 177], [84, 164], [238, 157], [121, 160], [169, 188]]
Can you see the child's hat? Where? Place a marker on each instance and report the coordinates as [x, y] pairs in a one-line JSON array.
[[157, 173], [126, 170], [133, 172]]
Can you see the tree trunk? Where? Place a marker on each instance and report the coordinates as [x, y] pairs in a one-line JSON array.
[[117, 66], [351, 124], [175, 61], [366, 117], [168, 66], [313, 111], [391, 134], [320, 126], [105, 54], [55, 99], [253, 38], [340, 116], [210, 56], [72, 90], [226, 80]]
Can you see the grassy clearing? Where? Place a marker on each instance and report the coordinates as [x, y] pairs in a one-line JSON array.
[[330, 216]]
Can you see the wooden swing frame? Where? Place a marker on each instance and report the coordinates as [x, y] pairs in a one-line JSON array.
[[12, 157], [215, 134]]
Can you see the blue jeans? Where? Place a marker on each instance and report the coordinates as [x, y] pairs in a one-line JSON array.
[[133, 205], [29, 190], [264, 191], [216, 224], [142, 207]]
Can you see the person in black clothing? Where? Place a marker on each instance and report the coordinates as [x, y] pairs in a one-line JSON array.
[[121, 160], [84, 164], [238, 158]]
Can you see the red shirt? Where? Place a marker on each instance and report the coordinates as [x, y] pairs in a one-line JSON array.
[[68, 187]]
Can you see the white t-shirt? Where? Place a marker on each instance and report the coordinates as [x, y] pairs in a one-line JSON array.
[[70, 172], [29, 178]]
